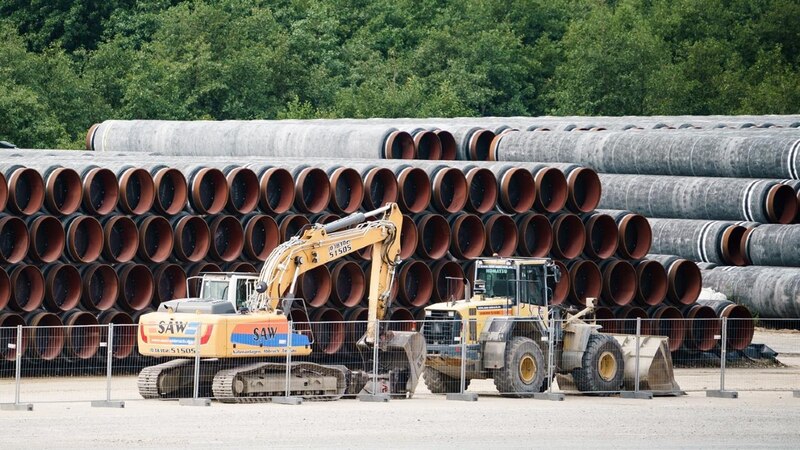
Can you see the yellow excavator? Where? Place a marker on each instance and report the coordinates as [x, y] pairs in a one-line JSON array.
[[242, 324], [508, 331]]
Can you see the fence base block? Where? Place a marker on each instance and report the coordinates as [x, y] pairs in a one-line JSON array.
[[16, 407], [722, 394], [464, 397], [108, 404], [194, 402], [287, 400], [797, 394], [374, 398], [552, 396], [641, 395]]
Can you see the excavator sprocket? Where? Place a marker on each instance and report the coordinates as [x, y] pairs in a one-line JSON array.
[[259, 382]]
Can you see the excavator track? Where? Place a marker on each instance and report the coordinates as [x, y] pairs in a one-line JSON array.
[[175, 379], [259, 382]]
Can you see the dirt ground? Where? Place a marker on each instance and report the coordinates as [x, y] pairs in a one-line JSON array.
[[63, 418]]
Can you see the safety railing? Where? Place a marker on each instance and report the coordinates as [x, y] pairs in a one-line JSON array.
[[329, 359]]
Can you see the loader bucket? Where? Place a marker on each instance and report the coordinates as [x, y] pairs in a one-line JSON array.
[[403, 352], [656, 373]]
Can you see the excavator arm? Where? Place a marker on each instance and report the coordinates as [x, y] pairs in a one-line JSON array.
[[321, 244]]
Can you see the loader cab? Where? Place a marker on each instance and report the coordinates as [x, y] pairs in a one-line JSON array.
[[520, 281]]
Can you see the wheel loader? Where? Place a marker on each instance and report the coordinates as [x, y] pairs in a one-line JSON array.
[[242, 324], [508, 328]]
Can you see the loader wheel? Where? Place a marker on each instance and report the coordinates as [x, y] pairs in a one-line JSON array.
[[524, 371], [439, 383], [602, 366]]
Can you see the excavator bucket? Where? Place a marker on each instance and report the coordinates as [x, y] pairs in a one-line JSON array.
[[655, 364], [402, 355]]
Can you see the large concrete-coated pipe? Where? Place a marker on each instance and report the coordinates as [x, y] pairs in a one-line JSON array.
[[699, 240], [552, 190], [602, 236], [448, 144], [27, 288], [427, 144], [100, 190], [769, 292], [312, 189], [702, 327], [685, 280], [517, 187], [156, 239], [409, 237], [45, 335], [137, 191], [482, 189], [626, 320], [291, 224], [208, 189], [26, 190], [253, 138], [355, 325], [449, 189], [276, 188], [401, 319], [347, 190], [314, 286], [243, 189], [708, 198], [191, 237], [227, 238], [120, 238], [434, 236], [14, 239], [569, 236], [585, 281], [652, 283], [82, 337], [47, 238], [380, 187], [773, 245], [619, 282], [63, 193], [171, 190], [501, 234], [668, 321], [170, 283], [327, 326], [635, 234], [535, 235], [5, 289], [84, 238], [689, 153], [3, 192], [124, 332], [8, 336], [448, 281], [136, 286], [416, 283], [468, 236], [241, 267], [100, 287], [740, 325], [63, 287], [349, 284], [261, 236]]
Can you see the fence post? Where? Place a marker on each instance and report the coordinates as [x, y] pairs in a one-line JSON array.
[[551, 344], [645, 395], [17, 406], [196, 400], [287, 398], [462, 395], [109, 345], [375, 393], [723, 356]]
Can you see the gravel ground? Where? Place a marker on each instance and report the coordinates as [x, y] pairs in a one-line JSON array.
[[754, 419]]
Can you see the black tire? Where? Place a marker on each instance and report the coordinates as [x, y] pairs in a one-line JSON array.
[[602, 366], [524, 371], [439, 383]]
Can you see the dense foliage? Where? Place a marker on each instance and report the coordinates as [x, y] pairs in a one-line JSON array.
[[65, 64]]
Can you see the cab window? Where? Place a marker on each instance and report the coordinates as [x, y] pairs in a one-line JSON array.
[[215, 290], [500, 281], [531, 288]]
